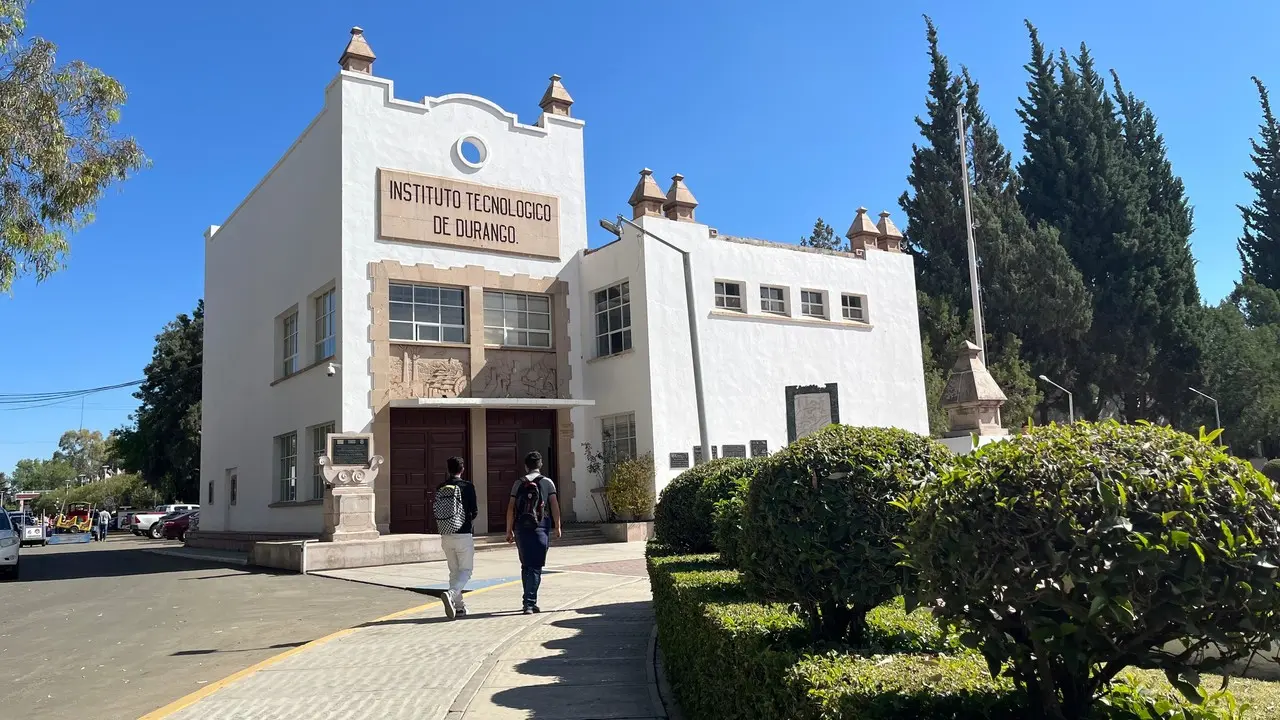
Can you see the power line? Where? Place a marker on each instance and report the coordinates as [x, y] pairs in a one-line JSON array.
[[32, 401]]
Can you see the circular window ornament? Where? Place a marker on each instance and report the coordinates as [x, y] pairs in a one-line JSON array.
[[471, 151]]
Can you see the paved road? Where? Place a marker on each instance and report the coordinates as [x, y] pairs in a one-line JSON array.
[[107, 630]]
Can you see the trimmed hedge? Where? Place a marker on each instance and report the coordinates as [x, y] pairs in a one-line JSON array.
[[683, 518], [727, 523], [729, 658]]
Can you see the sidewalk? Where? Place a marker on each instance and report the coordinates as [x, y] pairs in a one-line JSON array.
[[589, 654]]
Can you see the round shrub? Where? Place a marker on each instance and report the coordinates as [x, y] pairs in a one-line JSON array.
[[821, 523], [1272, 470], [1071, 552], [630, 490], [683, 518]]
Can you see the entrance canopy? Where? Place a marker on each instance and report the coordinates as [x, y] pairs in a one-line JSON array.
[[494, 403]]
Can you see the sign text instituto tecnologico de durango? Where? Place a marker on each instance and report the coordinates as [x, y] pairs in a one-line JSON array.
[[424, 208]]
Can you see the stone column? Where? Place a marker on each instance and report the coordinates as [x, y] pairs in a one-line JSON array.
[[972, 400], [349, 502]]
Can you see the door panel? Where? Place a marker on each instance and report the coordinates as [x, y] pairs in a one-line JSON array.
[[421, 442], [512, 434]]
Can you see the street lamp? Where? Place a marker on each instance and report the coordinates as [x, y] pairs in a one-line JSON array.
[[1216, 417], [1071, 403]]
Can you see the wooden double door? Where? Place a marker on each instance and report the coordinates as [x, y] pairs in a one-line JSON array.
[[422, 441], [510, 436]]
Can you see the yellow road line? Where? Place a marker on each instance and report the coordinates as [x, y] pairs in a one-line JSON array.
[[204, 692]]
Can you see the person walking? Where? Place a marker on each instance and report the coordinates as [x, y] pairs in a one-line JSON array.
[[528, 523], [104, 521], [455, 509]]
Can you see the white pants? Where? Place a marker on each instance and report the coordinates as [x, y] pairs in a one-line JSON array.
[[460, 553]]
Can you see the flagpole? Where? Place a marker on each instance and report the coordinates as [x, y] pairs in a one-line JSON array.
[[980, 338]]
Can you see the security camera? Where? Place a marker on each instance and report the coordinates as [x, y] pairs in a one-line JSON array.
[[331, 370]]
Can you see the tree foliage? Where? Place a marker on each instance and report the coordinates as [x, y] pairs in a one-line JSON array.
[[823, 237], [86, 452], [59, 146], [1259, 246], [37, 474], [163, 443]]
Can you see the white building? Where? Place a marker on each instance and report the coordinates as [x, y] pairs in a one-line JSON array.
[[419, 270]]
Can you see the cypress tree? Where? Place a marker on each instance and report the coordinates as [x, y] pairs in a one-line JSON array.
[[1259, 247], [823, 236]]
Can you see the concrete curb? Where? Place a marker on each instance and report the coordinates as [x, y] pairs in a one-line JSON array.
[[666, 696], [197, 555]]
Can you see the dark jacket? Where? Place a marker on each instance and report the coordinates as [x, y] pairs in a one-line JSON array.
[[469, 506]]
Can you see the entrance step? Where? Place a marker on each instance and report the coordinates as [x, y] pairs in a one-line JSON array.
[[576, 534]]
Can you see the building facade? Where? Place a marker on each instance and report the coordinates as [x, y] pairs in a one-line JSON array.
[[419, 270]]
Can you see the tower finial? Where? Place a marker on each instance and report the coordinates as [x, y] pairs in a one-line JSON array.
[[358, 57]]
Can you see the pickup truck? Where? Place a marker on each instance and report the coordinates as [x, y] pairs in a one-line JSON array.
[[149, 523]]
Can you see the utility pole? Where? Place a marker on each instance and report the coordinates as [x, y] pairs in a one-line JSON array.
[[979, 337]]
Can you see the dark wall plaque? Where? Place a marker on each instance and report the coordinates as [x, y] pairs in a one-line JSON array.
[[759, 448], [715, 453], [735, 451], [697, 455], [810, 408], [350, 451], [679, 460]]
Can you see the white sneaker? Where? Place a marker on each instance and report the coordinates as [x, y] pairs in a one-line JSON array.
[[449, 610]]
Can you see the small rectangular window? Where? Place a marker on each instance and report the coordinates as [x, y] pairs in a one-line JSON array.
[[853, 307], [728, 295], [325, 310], [773, 300], [812, 304], [287, 454], [613, 319], [427, 313], [517, 320], [234, 490], [618, 437], [289, 346]]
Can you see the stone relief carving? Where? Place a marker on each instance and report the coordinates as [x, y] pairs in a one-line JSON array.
[[813, 412], [517, 374], [427, 372]]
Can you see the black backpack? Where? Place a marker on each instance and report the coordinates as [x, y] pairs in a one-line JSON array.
[[529, 503]]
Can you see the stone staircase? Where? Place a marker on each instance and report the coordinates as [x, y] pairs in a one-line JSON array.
[[574, 534]]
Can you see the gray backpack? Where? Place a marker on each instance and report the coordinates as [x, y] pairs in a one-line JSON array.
[[448, 508]]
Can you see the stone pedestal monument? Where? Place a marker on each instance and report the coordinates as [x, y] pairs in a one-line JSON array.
[[349, 468], [972, 400]]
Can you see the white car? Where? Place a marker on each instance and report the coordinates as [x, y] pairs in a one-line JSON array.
[[10, 545], [148, 524]]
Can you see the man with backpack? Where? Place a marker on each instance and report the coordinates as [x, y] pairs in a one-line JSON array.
[[528, 524], [455, 509]]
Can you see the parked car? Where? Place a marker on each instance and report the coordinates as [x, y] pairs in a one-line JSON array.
[[149, 523], [177, 527], [30, 527], [10, 547], [120, 520]]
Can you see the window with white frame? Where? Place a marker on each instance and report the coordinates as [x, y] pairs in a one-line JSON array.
[[613, 319], [289, 344], [326, 343], [728, 295], [427, 313], [618, 437], [287, 474], [319, 436], [517, 320], [853, 307], [773, 300], [813, 304]]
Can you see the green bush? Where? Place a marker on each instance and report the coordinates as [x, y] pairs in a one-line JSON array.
[[1272, 470], [727, 523], [820, 525], [683, 518], [630, 489], [1071, 552]]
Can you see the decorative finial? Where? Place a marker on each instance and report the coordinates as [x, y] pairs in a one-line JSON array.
[[556, 99], [358, 57], [890, 235], [647, 198], [680, 202]]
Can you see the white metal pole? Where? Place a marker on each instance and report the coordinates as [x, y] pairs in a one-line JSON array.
[[980, 338]]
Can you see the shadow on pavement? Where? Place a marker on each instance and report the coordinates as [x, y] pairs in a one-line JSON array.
[[95, 563], [277, 646], [600, 671]]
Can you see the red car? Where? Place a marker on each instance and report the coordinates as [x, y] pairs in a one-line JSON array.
[[178, 526]]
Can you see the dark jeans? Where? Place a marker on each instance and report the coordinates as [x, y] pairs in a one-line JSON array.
[[532, 546]]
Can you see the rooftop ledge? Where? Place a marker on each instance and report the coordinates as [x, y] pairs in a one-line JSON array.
[[496, 403]]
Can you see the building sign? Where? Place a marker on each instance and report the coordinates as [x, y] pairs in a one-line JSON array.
[[735, 451], [424, 208], [811, 408], [347, 450], [679, 460]]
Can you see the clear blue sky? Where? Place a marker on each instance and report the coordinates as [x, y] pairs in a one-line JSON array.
[[775, 112]]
